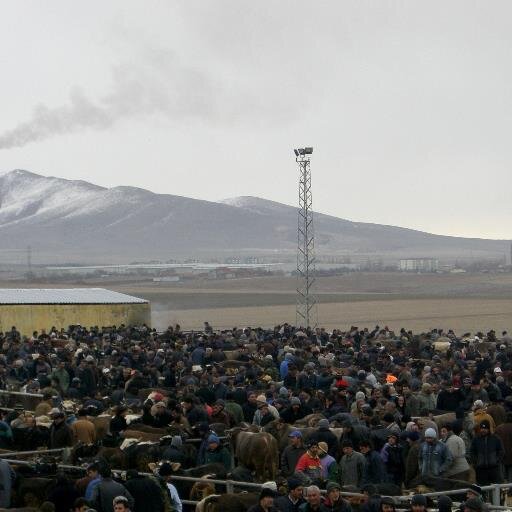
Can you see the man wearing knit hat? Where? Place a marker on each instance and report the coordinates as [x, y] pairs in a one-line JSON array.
[[434, 456], [263, 408], [486, 453], [328, 463], [294, 412], [418, 503], [473, 505], [217, 453], [334, 501], [444, 504], [175, 453]]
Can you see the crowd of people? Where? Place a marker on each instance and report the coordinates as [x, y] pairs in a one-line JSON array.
[[400, 409]]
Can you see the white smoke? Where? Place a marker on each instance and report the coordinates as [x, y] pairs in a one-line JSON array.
[[161, 85]]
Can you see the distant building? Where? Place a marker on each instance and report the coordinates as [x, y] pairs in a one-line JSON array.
[[31, 309], [419, 265]]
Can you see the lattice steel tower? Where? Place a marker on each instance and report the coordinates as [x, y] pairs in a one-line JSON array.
[[306, 312]]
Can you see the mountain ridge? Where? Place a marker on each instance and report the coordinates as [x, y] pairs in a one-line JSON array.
[[74, 220]]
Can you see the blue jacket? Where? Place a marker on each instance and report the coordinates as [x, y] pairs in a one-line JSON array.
[[434, 459]]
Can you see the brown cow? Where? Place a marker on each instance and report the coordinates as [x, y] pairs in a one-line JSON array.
[[238, 502], [32, 491], [200, 490], [281, 430], [142, 436], [311, 420], [257, 451], [101, 425], [142, 427]]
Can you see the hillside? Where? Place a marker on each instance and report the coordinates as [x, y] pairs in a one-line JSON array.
[[76, 221]]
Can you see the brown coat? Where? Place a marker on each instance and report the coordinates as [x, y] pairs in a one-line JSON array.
[[412, 469], [504, 432], [480, 415], [83, 431], [498, 413]]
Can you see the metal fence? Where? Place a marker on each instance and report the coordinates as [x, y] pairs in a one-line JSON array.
[[231, 485], [495, 489]]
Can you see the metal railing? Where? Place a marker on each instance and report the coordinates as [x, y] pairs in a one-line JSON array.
[[30, 452], [231, 484], [20, 393]]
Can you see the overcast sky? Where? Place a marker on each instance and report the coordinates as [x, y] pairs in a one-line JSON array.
[[408, 104]]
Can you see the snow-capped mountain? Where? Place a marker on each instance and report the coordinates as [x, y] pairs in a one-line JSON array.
[[76, 221]]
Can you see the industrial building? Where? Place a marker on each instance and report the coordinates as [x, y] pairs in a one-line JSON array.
[[419, 265], [35, 309]]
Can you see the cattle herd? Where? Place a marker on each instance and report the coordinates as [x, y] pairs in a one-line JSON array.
[[285, 419]]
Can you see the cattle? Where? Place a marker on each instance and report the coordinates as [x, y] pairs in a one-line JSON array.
[[439, 484], [83, 452], [449, 417], [258, 451], [218, 428], [31, 491], [238, 502], [311, 420], [142, 427], [281, 431], [388, 489], [232, 355], [201, 490], [142, 436], [101, 425], [172, 430], [184, 487], [442, 346]]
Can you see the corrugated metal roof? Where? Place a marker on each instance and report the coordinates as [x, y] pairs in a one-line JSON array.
[[65, 296]]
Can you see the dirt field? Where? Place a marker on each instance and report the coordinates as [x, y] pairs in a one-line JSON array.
[[462, 302], [419, 302], [462, 315]]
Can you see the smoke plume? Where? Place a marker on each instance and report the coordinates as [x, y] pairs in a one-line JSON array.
[[161, 85]]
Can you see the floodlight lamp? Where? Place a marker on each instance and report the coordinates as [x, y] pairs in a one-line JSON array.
[[296, 152], [308, 151]]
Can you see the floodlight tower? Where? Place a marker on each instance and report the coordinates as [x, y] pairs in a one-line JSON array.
[[306, 312]]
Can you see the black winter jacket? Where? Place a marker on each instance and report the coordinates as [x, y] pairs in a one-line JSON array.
[[486, 451]]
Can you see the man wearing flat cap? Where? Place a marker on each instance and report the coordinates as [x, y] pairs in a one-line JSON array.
[[61, 436]]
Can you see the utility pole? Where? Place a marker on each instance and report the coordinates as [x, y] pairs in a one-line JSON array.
[[29, 260], [306, 311]]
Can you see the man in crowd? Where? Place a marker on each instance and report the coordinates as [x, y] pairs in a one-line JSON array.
[[292, 453], [487, 453], [294, 499]]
